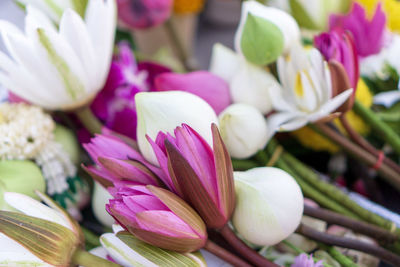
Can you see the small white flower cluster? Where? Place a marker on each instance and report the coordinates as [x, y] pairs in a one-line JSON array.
[[24, 131], [56, 167]]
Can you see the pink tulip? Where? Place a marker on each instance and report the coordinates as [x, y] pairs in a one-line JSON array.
[[158, 217], [141, 14], [201, 175], [368, 34], [339, 45], [213, 89], [116, 162]]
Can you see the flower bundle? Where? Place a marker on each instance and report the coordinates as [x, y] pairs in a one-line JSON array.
[[274, 156]]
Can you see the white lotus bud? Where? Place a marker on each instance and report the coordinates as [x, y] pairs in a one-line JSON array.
[[265, 32], [244, 130], [269, 205], [164, 111]]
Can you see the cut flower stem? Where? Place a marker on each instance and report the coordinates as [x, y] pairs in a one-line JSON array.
[[225, 255], [250, 254], [378, 125], [89, 120]]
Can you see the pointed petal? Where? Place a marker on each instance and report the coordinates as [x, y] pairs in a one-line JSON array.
[[224, 172], [193, 189], [331, 105]]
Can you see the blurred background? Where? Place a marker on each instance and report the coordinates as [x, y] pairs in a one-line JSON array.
[[217, 23]]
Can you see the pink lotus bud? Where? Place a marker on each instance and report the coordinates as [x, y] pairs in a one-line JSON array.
[[211, 88], [158, 217], [201, 175]]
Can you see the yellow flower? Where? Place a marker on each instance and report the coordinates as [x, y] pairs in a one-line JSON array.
[[309, 138], [188, 6], [391, 9]]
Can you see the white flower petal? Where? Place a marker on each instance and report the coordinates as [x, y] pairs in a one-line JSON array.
[[100, 20], [251, 86], [387, 99], [224, 62], [123, 254], [32, 207], [275, 121], [331, 105], [74, 31], [14, 254]]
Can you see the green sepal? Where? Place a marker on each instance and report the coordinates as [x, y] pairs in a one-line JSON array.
[[261, 42], [161, 257], [49, 241], [301, 16]]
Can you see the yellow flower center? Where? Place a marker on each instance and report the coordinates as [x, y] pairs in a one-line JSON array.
[[298, 87]]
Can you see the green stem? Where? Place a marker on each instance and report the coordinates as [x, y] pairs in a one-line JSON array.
[[379, 126], [338, 256], [89, 120], [336, 194], [84, 258], [243, 165], [90, 237]]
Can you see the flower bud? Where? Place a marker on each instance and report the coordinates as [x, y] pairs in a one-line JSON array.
[[21, 176], [264, 33], [269, 205], [244, 130], [99, 200], [68, 140], [164, 111], [211, 88]]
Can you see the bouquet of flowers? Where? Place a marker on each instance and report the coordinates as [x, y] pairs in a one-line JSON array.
[[116, 149]]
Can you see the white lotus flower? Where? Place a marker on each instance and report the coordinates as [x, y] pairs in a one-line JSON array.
[[269, 205], [12, 253], [59, 69], [249, 83], [164, 111], [244, 130], [55, 9], [306, 94]]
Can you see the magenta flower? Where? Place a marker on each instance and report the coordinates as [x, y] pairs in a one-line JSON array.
[[368, 35], [338, 45], [141, 14], [117, 163], [303, 260], [158, 217], [115, 104], [200, 175], [211, 88]]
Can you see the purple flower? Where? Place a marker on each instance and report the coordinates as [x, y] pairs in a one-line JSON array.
[[211, 88], [115, 104], [368, 34], [339, 45], [303, 260], [141, 14]]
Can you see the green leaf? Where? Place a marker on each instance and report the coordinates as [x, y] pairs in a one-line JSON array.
[[49, 241], [262, 41], [160, 256]]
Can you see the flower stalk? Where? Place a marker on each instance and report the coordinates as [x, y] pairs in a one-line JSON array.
[[353, 150], [225, 255], [357, 138], [377, 251], [387, 133], [89, 120], [250, 254], [84, 258], [178, 44], [357, 226]]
